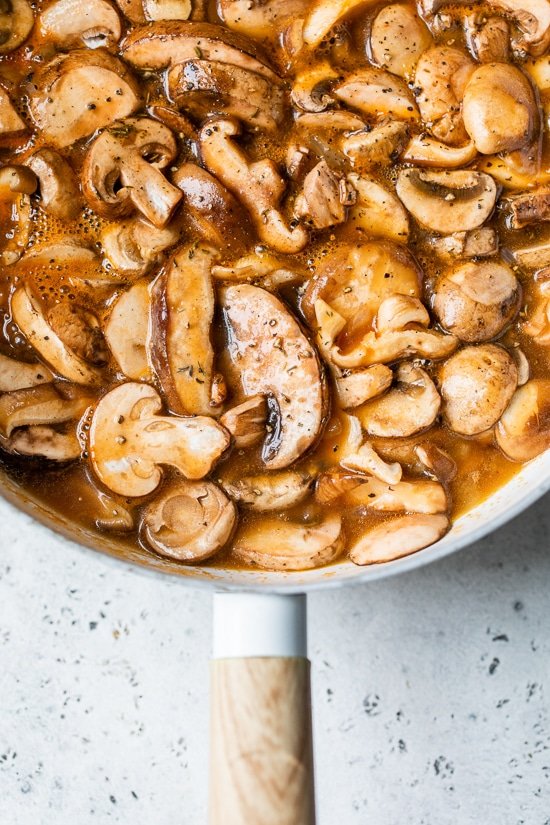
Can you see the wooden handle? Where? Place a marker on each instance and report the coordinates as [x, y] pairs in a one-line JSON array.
[[261, 763]]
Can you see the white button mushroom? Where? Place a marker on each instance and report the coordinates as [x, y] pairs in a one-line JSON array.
[[441, 77], [398, 537], [247, 422], [378, 93], [397, 39], [127, 329], [523, 431], [17, 375], [266, 492], [69, 23]]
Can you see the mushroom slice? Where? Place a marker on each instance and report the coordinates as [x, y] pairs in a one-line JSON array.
[[17, 375], [167, 9], [310, 91], [258, 185], [71, 23], [325, 197], [77, 93], [437, 462], [355, 387], [378, 93], [377, 211], [189, 521], [31, 319], [169, 42], [533, 19], [447, 202], [16, 22], [477, 301], [247, 421], [378, 145], [260, 19], [122, 171], [134, 246], [15, 179], [441, 77], [325, 14], [397, 39], [43, 442], [132, 9], [129, 440], [478, 243], [400, 311], [499, 109], [45, 404], [536, 256], [409, 408], [538, 324], [211, 209], [398, 537], [269, 491], [126, 331], [424, 150], [337, 121], [477, 384], [181, 320], [10, 122], [206, 87], [58, 188], [393, 345], [270, 355], [333, 484], [273, 544], [523, 431], [488, 38], [530, 207], [366, 460], [407, 496], [261, 267]]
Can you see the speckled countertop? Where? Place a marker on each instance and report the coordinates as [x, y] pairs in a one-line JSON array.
[[431, 691]]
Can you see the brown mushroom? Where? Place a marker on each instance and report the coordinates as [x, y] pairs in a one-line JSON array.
[[134, 246], [477, 243], [129, 440], [420, 496], [260, 19], [269, 491], [325, 197], [247, 421], [523, 431], [423, 150], [488, 38], [529, 207], [122, 171], [440, 80], [311, 87], [58, 188], [60, 444], [356, 387], [324, 15], [532, 18], [10, 122], [397, 39], [16, 22], [367, 460], [72, 23], [378, 93], [378, 145], [127, 329], [377, 211], [399, 537], [167, 9], [437, 462], [18, 375]]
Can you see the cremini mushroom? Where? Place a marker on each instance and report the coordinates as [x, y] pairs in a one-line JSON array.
[[440, 80], [260, 20], [269, 491], [499, 109], [42, 441], [419, 496], [134, 246], [355, 387], [189, 521], [377, 93], [477, 243], [377, 211], [410, 407], [397, 39], [324, 15], [537, 325], [32, 319], [57, 184], [18, 375], [536, 256], [181, 318], [399, 312], [10, 122], [129, 440], [70, 23], [258, 185], [122, 171], [423, 150], [437, 462], [375, 146], [325, 197], [247, 421], [82, 91], [311, 87], [273, 544], [477, 301], [532, 18], [525, 208], [16, 22], [333, 484], [447, 202], [366, 460], [168, 9], [16, 185], [261, 268], [488, 38], [523, 431], [477, 384], [126, 331], [270, 355], [16, 180], [207, 87], [399, 537]]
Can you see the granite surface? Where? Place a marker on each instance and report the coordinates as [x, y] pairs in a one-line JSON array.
[[431, 691]]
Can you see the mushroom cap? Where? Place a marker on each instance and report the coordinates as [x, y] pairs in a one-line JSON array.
[[72, 22], [16, 22], [398, 37], [377, 92], [477, 301], [17, 375], [127, 329], [398, 537], [377, 211], [247, 421], [189, 521], [523, 431], [441, 76], [260, 20], [58, 188], [269, 491], [10, 122], [477, 384]]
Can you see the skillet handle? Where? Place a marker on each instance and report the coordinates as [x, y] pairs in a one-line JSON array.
[[261, 755]]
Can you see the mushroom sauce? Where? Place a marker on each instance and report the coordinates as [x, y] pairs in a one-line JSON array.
[[275, 277]]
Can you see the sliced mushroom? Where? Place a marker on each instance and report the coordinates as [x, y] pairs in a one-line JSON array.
[[258, 184], [533, 20], [523, 431], [10, 122], [378, 93], [129, 440], [132, 9], [333, 484], [397, 39], [273, 544], [79, 330], [170, 42], [15, 180], [447, 201], [438, 463], [325, 14], [379, 145], [176, 121], [126, 331], [43, 442], [207, 87], [134, 246], [477, 243], [16, 22], [273, 491], [477, 384], [488, 38], [410, 407], [477, 301], [325, 197], [400, 312], [398, 537], [190, 521], [536, 256], [181, 319], [17, 375], [44, 404], [355, 387], [311, 87], [270, 355], [122, 171], [377, 211], [211, 208], [526, 208], [261, 268], [247, 421], [167, 9], [337, 121], [538, 323], [366, 460], [58, 188], [440, 80], [30, 317], [499, 109], [77, 93], [71, 23], [428, 497], [15, 183], [424, 150]]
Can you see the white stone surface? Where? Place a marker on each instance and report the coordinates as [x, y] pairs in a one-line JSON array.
[[431, 691]]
